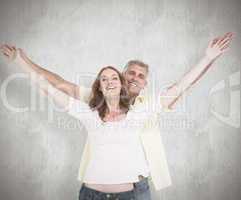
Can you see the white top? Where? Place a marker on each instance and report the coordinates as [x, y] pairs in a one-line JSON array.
[[117, 154]]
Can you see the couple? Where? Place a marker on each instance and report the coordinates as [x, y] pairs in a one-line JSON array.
[[119, 158]]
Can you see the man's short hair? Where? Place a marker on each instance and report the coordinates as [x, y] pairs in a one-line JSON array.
[[136, 62]]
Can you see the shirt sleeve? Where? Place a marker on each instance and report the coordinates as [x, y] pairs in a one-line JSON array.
[[163, 91], [153, 100]]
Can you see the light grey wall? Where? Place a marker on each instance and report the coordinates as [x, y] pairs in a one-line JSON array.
[[40, 151]]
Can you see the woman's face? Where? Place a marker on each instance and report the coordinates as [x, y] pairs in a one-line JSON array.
[[110, 83]]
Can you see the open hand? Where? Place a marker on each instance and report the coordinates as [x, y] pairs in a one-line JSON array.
[[219, 45], [9, 52]]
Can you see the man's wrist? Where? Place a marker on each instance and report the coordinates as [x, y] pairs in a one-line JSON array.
[[208, 59]]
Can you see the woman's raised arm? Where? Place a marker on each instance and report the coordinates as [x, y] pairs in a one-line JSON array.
[[37, 76], [19, 57]]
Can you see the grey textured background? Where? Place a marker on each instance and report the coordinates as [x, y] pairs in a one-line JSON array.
[[40, 151]]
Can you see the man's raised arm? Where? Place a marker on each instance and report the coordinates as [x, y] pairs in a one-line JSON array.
[[215, 49]]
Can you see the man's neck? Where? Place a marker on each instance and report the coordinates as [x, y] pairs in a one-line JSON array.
[[133, 97]]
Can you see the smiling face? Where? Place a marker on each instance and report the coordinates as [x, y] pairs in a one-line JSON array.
[[135, 76], [110, 83]]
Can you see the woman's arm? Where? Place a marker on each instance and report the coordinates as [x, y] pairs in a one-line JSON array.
[[37, 76], [215, 49], [19, 57]]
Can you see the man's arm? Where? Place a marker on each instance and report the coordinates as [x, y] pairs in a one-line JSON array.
[[215, 49], [20, 58]]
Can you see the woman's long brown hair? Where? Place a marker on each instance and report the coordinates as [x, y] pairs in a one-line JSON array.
[[97, 101]]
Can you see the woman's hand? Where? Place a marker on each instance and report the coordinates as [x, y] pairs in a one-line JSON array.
[[219, 45], [12, 54], [9, 52]]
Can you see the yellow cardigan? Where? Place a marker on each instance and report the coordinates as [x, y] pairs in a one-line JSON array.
[[152, 144]]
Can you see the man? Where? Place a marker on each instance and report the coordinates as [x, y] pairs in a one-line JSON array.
[[136, 73]]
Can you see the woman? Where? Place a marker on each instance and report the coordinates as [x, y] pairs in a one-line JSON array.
[[117, 157]]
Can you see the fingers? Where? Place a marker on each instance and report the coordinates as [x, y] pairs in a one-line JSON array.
[[8, 47], [4, 50], [225, 47], [226, 37], [223, 38], [6, 54], [8, 51], [227, 41], [223, 42], [214, 41], [219, 45]]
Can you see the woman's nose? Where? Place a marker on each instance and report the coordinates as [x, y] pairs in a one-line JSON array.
[[109, 83]]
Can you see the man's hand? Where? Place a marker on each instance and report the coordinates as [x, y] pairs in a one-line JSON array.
[[219, 45]]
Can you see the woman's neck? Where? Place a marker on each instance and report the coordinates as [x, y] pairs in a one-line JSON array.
[[113, 104]]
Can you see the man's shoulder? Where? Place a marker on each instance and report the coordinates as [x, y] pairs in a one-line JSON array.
[[144, 101], [144, 97]]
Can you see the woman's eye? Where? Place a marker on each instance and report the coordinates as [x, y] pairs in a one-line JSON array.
[[115, 78]]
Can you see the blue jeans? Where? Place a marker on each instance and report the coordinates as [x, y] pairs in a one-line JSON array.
[[87, 193], [141, 191]]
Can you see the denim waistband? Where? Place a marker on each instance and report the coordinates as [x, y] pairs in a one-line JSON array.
[[105, 195], [141, 185]]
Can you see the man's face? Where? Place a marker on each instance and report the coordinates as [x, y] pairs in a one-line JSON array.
[[135, 77]]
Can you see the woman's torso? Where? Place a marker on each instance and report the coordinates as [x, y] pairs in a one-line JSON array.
[[112, 187], [114, 137]]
